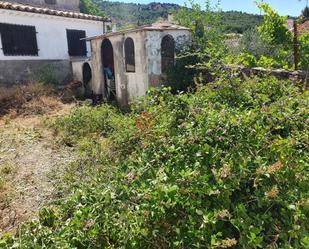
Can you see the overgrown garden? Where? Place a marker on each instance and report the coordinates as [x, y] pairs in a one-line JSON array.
[[222, 165]]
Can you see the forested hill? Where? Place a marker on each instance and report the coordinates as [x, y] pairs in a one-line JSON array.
[[131, 13]]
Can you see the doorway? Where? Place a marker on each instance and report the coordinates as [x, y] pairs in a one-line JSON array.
[[87, 76], [108, 70], [167, 53]]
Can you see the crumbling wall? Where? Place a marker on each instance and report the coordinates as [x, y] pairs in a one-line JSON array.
[[295, 76], [153, 40]]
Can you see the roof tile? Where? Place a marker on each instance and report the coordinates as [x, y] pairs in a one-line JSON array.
[[46, 11]]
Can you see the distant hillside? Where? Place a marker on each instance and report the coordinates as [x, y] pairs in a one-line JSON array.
[[132, 14], [239, 22]]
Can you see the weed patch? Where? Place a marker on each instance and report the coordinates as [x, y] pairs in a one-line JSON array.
[[30, 99]]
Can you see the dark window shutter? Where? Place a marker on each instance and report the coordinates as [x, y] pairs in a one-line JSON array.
[[77, 47], [18, 39]]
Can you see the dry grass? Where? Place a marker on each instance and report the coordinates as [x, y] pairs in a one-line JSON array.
[[30, 99], [31, 163]]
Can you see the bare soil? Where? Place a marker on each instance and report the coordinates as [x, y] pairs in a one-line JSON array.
[[31, 165]]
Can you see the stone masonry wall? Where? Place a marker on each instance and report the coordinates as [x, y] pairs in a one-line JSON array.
[[295, 76]]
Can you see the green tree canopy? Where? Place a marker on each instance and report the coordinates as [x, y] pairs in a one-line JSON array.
[[305, 12], [88, 7]]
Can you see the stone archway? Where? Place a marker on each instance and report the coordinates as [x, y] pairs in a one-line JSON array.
[[167, 53]]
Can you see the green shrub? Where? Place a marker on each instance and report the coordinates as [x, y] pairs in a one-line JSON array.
[[269, 46], [247, 60], [85, 121], [224, 167], [266, 62], [304, 51], [274, 29]]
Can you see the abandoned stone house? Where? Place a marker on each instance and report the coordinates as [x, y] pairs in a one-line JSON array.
[[40, 34], [36, 35], [124, 65]]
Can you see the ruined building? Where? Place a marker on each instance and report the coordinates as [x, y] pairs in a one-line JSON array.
[[43, 36], [124, 65]]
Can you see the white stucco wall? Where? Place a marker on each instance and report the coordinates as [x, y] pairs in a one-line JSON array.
[[51, 33]]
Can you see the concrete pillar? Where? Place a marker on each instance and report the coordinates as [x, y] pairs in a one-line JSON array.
[[97, 74]]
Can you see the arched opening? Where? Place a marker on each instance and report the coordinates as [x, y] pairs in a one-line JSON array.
[[129, 55], [167, 53], [87, 76], [107, 56]]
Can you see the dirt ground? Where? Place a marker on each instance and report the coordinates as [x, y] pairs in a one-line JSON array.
[[31, 164]]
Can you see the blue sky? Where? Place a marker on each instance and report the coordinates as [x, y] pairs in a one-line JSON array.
[[284, 7]]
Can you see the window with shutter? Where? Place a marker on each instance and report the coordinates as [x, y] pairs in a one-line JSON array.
[[18, 40], [77, 47]]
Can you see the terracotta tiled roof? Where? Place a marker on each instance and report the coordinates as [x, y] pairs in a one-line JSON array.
[[47, 11]]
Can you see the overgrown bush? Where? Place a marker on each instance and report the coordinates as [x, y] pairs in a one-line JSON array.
[[207, 47], [270, 45], [183, 75], [253, 52], [225, 167], [304, 51], [47, 75]]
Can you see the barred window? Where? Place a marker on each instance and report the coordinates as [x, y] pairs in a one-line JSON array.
[[129, 55], [18, 40], [77, 47]]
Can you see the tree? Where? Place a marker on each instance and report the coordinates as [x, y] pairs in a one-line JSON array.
[[88, 7], [305, 12], [206, 24], [274, 28]]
